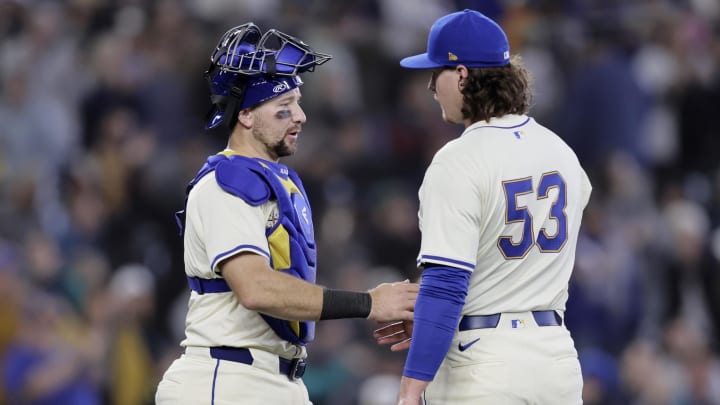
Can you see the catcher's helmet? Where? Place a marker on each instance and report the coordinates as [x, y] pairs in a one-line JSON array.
[[248, 68]]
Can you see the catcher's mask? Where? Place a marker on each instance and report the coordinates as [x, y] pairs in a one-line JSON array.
[[248, 68]]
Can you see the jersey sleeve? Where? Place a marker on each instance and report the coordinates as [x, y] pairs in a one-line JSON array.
[[449, 217], [231, 225]]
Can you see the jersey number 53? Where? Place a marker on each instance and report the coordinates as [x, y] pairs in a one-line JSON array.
[[520, 213]]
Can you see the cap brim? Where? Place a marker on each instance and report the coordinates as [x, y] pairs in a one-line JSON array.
[[421, 61]]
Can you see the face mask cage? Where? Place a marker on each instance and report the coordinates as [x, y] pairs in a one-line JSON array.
[[243, 51]]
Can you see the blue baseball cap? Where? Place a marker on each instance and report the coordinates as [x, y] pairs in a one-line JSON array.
[[259, 89], [463, 38]]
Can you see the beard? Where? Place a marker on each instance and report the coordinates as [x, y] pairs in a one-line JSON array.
[[281, 149], [275, 150]]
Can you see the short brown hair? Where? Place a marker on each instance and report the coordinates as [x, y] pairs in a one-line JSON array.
[[497, 91]]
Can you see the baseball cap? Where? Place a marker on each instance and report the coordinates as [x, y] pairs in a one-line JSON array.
[[259, 89], [465, 37]]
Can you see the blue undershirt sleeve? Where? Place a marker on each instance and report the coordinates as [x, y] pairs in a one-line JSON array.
[[437, 313]]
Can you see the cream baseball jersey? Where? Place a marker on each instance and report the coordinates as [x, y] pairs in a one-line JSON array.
[[518, 197], [219, 319]]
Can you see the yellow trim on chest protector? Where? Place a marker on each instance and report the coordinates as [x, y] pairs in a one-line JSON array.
[[279, 241], [228, 153], [289, 185]]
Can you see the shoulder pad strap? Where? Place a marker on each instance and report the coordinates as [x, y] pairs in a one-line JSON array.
[[296, 179], [243, 178]]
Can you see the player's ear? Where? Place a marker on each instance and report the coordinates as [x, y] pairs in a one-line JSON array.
[[462, 73], [246, 118]]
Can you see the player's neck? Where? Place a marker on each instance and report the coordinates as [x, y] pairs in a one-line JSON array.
[[468, 122], [246, 147]]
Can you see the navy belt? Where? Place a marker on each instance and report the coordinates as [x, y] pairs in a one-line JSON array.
[[542, 318], [208, 285], [293, 369]]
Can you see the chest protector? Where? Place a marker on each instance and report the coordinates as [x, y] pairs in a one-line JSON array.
[[291, 237]]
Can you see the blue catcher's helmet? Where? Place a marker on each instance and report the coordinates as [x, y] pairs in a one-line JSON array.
[[248, 68]]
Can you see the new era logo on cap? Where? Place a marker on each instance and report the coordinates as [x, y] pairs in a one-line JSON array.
[[463, 38]]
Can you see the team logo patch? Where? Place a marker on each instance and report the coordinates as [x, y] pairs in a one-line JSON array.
[[272, 219], [517, 323], [452, 56], [281, 87]]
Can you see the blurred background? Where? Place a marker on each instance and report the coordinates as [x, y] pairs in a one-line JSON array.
[[101, 126]]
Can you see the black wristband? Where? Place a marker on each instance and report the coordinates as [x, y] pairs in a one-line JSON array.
[[339, 304]]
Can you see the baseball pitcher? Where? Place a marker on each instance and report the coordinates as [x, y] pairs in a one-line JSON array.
[[500, 211]]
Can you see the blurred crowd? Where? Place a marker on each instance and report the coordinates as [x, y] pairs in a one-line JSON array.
[[102, 105]]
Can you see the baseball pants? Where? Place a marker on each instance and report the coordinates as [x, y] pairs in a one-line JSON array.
[[196, 379], [517, 362]]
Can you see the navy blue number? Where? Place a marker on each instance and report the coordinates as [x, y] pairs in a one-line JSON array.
[[553, 243], [515, 213], [520, 213]]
